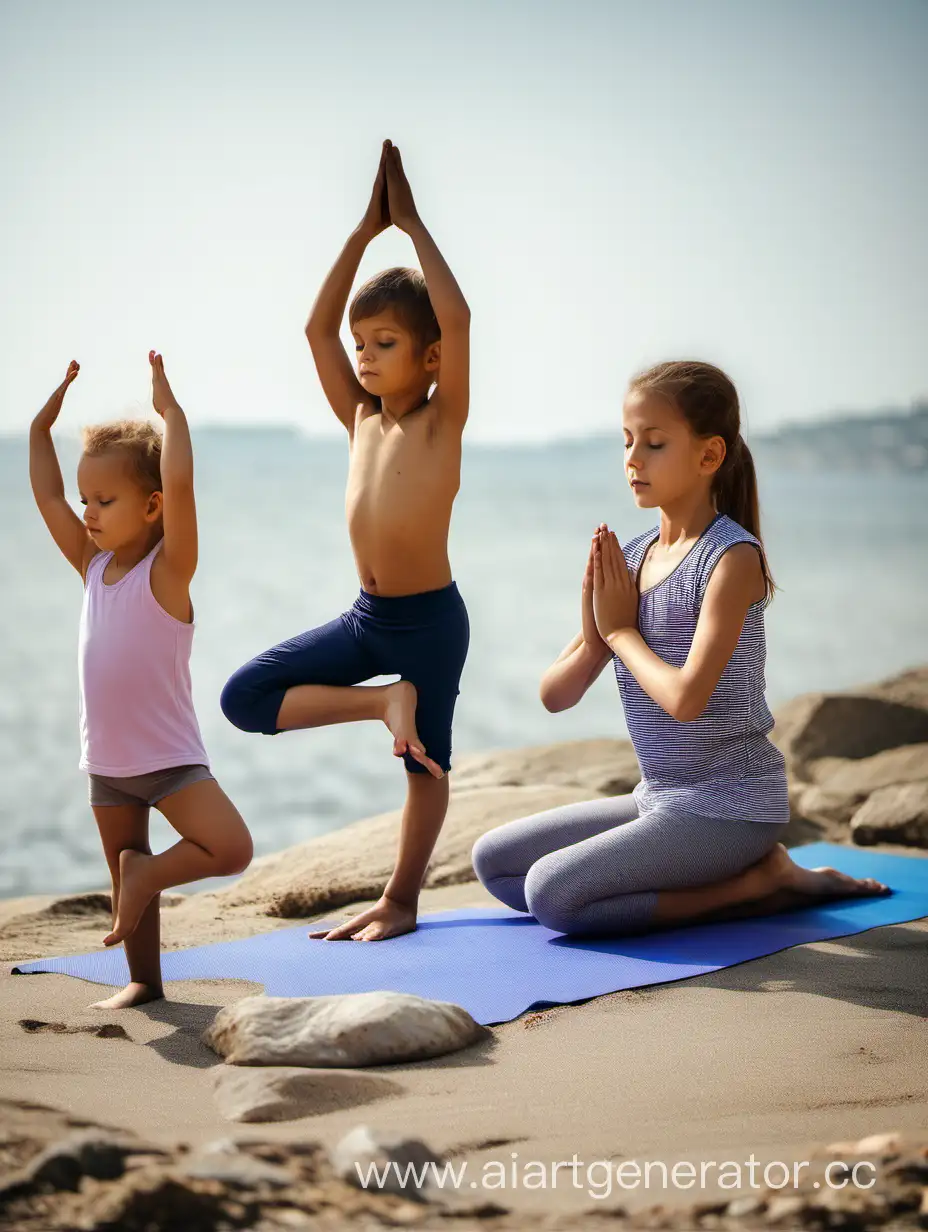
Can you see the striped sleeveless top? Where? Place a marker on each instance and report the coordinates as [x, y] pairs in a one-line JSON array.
[[723, 763]]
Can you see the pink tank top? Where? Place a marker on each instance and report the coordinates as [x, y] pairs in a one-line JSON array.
[[137, 711]]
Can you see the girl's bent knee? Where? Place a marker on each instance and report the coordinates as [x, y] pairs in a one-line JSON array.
[[543, 901], [483, 856], [237, 858]]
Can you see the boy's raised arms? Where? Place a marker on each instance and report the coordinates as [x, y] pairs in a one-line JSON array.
[[336, 372], [452, 397], [66, 528], [179, 512]]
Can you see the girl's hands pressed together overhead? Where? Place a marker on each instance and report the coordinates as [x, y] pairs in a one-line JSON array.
[[402, 208], [615, 593]]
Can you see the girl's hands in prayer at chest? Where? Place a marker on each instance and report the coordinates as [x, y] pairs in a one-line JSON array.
[[590, 632], [615, 592], [386, 918]]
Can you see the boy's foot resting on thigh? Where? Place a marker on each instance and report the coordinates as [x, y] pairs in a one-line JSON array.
[[779, 878], [134, 895], [400, 717], [133, 994]]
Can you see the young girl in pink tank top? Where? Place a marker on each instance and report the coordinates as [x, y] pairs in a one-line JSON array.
[[136, 550]]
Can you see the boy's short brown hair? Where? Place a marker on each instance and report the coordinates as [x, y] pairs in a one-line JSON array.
[[137, 440], [403, 291]]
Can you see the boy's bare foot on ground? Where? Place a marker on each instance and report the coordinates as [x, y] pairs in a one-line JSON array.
[[400, 717], [134, 895], [777, 877], [132, 994]]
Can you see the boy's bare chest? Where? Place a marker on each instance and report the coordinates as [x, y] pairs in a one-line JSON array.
[[395, 460]]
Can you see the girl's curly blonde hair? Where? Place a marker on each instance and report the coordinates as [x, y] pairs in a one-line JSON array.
[[137, 440]]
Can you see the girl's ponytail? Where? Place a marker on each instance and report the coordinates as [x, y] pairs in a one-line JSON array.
[[735, 488], [735, 492]]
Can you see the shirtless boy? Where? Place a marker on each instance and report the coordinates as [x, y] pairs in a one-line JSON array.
[[411, 332]]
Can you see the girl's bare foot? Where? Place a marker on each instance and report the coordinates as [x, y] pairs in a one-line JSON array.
[[134, 895], [776, 874], [400, 717], [133, 994]]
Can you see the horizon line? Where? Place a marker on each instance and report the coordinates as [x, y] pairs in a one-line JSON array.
[[918, 405]]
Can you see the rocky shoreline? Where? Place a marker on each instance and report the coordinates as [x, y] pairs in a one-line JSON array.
[[83, 1177]]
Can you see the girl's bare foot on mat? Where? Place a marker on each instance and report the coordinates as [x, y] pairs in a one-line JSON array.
[[134, 895], [132, 994], [400, 717], [777, 874]]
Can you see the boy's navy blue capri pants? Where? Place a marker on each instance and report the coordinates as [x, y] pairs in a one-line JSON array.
[[423, 638]]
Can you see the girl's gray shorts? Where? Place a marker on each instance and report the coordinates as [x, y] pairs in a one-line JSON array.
[[144, 788]]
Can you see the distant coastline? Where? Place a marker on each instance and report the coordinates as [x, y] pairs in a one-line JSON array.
[[888, 439], [894, 440]]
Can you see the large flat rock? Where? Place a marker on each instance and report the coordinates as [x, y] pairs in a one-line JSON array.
[[343, 1031]]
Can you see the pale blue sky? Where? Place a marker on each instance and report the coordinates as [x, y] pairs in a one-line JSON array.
[[612, 182]]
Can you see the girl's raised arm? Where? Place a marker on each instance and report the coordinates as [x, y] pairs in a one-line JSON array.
[[180, 512], [66, 528]]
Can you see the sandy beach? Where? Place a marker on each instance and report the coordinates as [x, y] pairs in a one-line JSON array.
[[777, 1058]]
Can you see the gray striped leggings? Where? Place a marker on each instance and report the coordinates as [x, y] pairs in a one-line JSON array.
[[596, 867]]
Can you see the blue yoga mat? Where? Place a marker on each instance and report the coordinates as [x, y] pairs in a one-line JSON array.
[[496, 962]]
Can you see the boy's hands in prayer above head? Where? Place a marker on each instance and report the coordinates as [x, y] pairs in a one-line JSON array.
[[402, 207]]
